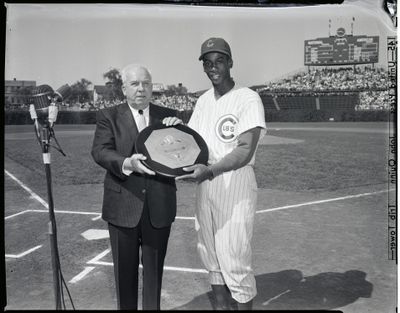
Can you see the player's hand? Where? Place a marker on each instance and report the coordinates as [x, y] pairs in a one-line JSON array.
[[138, 166], [172, 121], [200, 173]]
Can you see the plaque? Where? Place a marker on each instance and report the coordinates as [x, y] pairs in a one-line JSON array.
[[169, 149]]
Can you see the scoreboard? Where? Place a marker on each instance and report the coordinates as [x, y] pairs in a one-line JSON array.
[[341, 49]]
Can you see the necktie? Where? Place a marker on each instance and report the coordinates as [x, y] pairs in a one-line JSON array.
[[141, 123]]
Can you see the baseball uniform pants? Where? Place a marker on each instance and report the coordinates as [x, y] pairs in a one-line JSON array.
[[225, 208]]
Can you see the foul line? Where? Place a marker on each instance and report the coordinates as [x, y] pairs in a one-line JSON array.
[[34, 195], [55, 211], [44, 203], [41, 201], [16, 214], [82, 274], [17, 256], [97, 258], [324, 201]]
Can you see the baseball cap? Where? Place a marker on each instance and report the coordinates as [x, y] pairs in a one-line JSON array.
[[215, 45]]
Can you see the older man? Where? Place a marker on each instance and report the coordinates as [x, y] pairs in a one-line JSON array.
[[138, 204]]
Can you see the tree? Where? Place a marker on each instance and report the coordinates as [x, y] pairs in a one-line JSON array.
[[80, 91], [114, 85]]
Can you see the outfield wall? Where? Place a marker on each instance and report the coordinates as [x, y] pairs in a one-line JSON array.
[[89, 117], [323, 102]]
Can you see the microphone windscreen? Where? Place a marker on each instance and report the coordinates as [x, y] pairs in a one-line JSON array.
[[63, 92], [41, 96]]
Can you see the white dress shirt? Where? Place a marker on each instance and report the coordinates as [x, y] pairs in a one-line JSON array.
[[136, 116]]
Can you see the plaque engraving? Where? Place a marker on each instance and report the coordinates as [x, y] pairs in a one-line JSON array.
[[169, 149]]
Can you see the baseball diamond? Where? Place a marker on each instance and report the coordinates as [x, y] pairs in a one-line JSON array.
[[203, 157], [320, 233]]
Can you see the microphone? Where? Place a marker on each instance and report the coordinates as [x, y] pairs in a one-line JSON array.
[[41, 97], [44, 100], [61, 93], [140, 112], [43, 108], [40, 101]]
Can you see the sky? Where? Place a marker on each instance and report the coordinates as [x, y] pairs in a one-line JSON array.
[[60, 43]]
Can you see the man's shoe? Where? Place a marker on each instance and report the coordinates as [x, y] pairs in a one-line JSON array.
[[247, 306], [222, 297]]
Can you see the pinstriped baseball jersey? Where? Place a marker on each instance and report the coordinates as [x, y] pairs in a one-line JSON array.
[[220, 121], [225, 206]]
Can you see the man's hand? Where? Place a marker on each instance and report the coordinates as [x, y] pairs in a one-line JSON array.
[[135, 165], [171, 121], [201, 173]]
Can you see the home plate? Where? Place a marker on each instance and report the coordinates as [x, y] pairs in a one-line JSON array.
[[93, 234]]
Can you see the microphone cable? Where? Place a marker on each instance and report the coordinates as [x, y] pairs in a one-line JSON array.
[[57, 259]]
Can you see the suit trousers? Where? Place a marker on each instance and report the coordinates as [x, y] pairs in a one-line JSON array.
[[125, 245]]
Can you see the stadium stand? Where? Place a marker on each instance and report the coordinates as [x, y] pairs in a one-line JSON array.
[[331, 79], [360, 88]]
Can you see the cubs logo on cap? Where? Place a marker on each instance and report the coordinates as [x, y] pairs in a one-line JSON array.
[[215, 45]]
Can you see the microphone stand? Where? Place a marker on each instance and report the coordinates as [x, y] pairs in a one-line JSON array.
[[44, 133]]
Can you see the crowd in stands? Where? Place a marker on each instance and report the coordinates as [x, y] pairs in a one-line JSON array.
[[77, 106], [177, 102], [90, 106], [374, 100], [331, 79], [371, 84]]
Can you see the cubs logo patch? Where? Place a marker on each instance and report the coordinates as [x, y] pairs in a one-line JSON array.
[[226, 128], [210, 43]]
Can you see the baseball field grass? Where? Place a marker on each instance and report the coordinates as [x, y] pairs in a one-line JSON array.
[[321, 160], [321, 213]]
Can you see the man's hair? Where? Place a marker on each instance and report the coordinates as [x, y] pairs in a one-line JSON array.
[[132, 67]]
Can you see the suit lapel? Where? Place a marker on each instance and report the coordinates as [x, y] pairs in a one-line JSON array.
[[154, 119], [128, 124]]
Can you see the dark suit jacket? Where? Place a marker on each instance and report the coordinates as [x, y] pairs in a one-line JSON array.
[[123, 199]]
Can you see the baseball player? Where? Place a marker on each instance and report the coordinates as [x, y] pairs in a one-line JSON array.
[[231, 120]]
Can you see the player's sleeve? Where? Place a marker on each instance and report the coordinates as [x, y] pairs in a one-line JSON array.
[[239, 156], [252, 114]]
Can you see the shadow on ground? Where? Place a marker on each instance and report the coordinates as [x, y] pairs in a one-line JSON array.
[[289, 290]]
